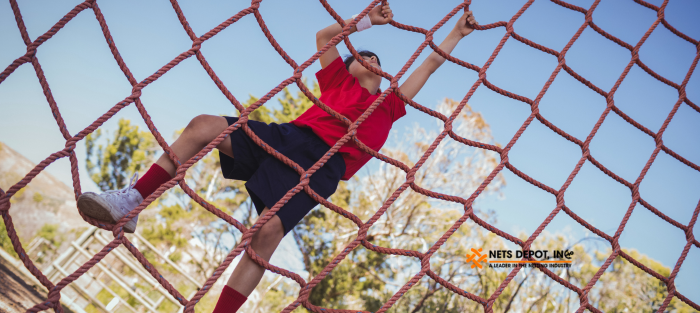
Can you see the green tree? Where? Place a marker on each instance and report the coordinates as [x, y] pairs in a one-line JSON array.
[[51, 234], [626, 288], [291, 106], [112, 164], [47, 247], [38, 197], [5, 242]]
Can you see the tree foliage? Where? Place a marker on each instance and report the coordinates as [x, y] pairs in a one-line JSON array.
[[5, 242], [128, 151], [291, 106]]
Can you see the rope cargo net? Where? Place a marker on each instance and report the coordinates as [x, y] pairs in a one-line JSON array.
[[53, 300]]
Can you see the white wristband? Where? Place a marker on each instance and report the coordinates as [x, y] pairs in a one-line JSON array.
[[364, 23]]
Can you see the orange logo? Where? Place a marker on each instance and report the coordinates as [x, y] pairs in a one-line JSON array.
[[476, 258]]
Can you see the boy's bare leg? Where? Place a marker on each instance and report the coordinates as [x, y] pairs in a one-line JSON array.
[[247, 274], [199, 132], [112, 206]]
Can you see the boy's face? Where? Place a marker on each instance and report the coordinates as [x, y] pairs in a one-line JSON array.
[[361, 73], [372, 60]]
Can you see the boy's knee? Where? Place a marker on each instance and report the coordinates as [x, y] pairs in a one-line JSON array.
[[199, 122], [204, 126], [272, 231]]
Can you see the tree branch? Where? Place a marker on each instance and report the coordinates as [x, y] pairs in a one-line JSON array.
[[510, 301]]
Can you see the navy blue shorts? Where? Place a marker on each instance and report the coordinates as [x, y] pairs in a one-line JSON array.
[[268, 179]]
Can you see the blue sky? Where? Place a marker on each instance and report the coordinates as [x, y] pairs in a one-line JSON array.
[[86, 81]]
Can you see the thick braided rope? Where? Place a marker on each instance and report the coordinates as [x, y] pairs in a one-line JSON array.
[[119, 238]]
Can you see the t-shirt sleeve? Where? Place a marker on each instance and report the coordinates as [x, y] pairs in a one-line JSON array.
[[398, 107], [332, 75]]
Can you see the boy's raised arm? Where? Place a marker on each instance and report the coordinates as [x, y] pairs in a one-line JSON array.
[[379, 15], [417, 79]]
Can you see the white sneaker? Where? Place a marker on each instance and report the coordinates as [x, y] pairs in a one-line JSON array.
[[112, 205]]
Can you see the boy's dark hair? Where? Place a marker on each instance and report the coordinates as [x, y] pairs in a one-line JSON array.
[[349, 59]]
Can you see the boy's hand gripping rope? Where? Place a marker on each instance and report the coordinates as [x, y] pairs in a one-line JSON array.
[[306, 287]]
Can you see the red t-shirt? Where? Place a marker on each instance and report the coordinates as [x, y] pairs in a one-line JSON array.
[[343, 93]]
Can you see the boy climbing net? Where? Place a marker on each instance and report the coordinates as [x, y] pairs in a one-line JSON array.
[[348, 87]]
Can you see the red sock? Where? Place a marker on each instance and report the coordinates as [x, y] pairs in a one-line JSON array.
[[230, 301], [154, 177]]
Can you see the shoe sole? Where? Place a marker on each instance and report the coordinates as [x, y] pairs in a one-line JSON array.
[[92, 205]]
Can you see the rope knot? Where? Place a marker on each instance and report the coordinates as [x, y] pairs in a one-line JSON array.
[[635, 54], [615, 245], [362, 233], [635, 191], [197, 43], [560, 198], [504, 154], [585, 150], [509, 27], [689, 234], [118, 231], [661, 13], [70, 145], [561, 58], [31, 50], [659, 140], [135, 93]]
